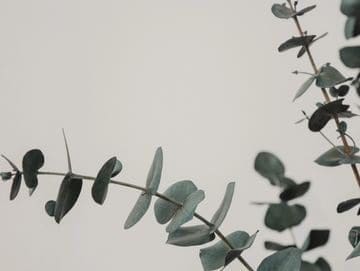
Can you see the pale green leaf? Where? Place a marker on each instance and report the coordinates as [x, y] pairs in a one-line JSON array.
[[304, 87], [139, 210], [154, 175], [191, 236], [285, 260]]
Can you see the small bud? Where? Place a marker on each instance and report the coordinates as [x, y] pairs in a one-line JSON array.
[[5, 176]]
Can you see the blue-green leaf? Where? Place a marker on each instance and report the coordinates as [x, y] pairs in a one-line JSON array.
[[191, 236], [350, 7], [350, 56], [154, 175], [50, 207], [270, 166], [177, 192], [355, 253], [334, 157], [285, 260], [315, 239], [224, 207], [186, 212], [139, 210], [304, 87], [329, 77], [281, 216], [33, 160]]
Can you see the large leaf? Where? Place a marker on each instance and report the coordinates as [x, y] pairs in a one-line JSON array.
[[186, 212], [213, 257], [316, 238], [276, 246], [139, 210], [178, 192], [15, 187], [304, 87], [154, 175], [350, 7], [296, 42], [334, 157], [191, 236], [33, 160], [100, 187], [347, 205], [329, 77], [324, 113], [285, 260], [235, 253], [350, 56], [295, 191], [221, 213], [69, 192], [281, 216], [270, 166]]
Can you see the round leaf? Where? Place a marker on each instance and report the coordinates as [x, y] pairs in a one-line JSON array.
[[269, 166], [50, 207], [33, 160], [15, 187], [350, 56], [281, 216]]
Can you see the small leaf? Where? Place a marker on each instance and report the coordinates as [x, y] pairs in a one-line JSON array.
[[5, 176], [295, 191], [100, 186], [323, 114], [334, 157], [329, 77], [276, 246], [191, 236], [323, 264], [350, 56], [33, 160], [177, 192], [154, 175], [270, 166], [354, 236], [15, 187], [296, 42], [355, 253], [139, 210], [50, 207], [352, 27], [235, 253], [69, 192], [316, 238], [281, 216], [304, 87], [224, 207], [284, 260], [281, 11], [186, 212], [305, 10], [347, 205], [213, 257]]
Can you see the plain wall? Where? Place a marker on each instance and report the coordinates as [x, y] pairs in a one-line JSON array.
[[201, 78]]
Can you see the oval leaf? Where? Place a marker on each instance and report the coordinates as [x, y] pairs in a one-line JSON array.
[[281, 11], [334, 157], [15, 187], [50, 207], [350, 56], [295, 191], [281, 216], [285, 260], [270, 166], [33, 160], [154, 175], [347, 205], [296, 42], [139, 210], [304, 87], [191, 236], [315, 239], [329, 77]]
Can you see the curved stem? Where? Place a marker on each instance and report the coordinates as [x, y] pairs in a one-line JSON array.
[[347, 147], [162, 196]]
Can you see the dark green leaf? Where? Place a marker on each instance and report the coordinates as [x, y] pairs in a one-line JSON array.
[[68, 194], [323, 114], [139, 210], [303, 49], [15, 187], [354, 236], [329, 77], [177, 192], [355, 253], [33, 160], [350, 56], [224, 207], [281, 216], [323, 264], [213, 257], [285, 260], [282, 11], [191, 236], [100, 186], [296, 42], [304, 87], [306, 266], [269, 166], [276, 246], [350, 7], [352, 27], [50, 207], [5, 176], [316, 238], [347, 205], [295, 191], [334, 157]]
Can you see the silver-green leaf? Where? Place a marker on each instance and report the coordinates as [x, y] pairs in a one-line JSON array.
[[304, 87], [139, 210], [285, 260], [154, 175], [191, 236]]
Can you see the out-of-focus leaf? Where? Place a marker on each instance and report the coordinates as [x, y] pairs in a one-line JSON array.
[[352, 27], [323, 264], [355, 253], [154, 175], [186, 212], [316, 238], [224, 207], [303, 49], [304, 87], [334, 157], [281, 216], [306, 266], [50, 207], [15, 187], [350, 56], [282, 11], [235, 253], [329, 77], [69, 192], [177, 192], [213, 257], [276, 246], [284, 260], [191, 236], [270, 167], [347, 205], [5, 176], [295, 191], [33, 160], [350, 7], [296, 42], [354, 236], [323, 114], [139, 210], [100, 186]]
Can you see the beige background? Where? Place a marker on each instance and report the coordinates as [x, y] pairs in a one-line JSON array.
[[201, 78]]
